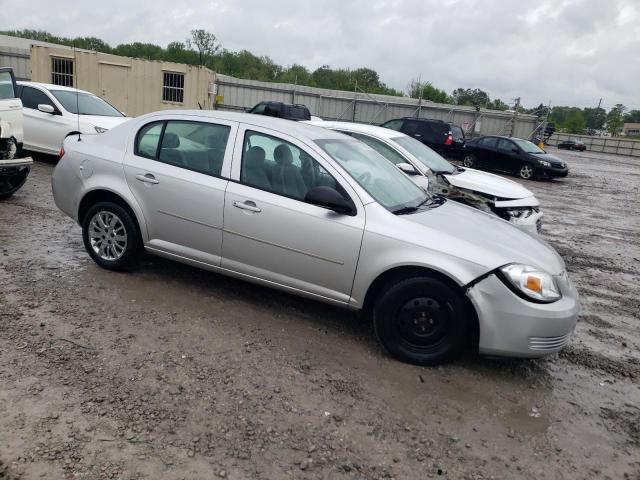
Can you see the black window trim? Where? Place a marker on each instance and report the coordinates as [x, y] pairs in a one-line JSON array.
[[56, 110], [156, 158], [341, 189]]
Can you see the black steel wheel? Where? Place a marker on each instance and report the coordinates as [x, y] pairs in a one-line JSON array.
[[12, 179], [422, 320]]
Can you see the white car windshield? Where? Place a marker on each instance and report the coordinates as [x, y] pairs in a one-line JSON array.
[[427, 157], [379, 177], [85, 104]]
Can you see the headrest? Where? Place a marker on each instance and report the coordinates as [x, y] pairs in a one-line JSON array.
[[170, 140], [254, 157], [282, 155]]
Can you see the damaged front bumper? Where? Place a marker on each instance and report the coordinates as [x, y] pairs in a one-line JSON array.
[[524, 213], [511, 326]]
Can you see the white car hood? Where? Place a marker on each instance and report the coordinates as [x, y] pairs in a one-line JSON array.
[[488, 184], [102, 121]]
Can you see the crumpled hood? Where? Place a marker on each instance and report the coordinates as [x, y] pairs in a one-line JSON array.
[[488, 183], [102, 121], [480, 238]]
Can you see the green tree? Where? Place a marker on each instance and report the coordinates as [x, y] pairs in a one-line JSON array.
[[615, 119], [205, 43], [471, 97], [595, 118], [425, 90], [633, 116]]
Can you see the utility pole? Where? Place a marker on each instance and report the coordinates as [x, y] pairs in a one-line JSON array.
[[597, 112], [514, 117]]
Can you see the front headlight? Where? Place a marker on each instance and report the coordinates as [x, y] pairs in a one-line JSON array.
[[545, 163], [530, 282], [100, 129]]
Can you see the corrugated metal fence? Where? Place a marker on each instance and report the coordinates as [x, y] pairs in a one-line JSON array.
[[614, 145], [238, 94], [18, 59]]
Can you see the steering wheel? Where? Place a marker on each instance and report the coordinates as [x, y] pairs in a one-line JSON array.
[[365, 177]]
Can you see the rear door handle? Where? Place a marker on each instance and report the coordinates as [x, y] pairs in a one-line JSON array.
[[248, 205], [147, 178]]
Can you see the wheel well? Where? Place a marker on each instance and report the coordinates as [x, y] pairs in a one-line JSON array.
[[400, 273], [72, 133], [96, 196]]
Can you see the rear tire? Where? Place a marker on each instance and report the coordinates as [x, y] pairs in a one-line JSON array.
[[470, 161], [111, 236], [422, 320]]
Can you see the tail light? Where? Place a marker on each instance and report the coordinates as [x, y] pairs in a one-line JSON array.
[[61, 154], [449, 139]]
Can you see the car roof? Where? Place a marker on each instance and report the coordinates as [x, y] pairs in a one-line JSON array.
[[51, 86], [290, 127], [358, 128]]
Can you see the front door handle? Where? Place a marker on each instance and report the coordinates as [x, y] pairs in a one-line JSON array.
[[248, 205], [147, 178]]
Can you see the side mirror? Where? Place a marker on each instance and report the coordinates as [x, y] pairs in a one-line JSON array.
[[329, 198], [407, 168], [45, 108]]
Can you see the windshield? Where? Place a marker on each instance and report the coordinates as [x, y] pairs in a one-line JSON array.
[[427, 157], [379, 177], [527, 146], [86, 103]]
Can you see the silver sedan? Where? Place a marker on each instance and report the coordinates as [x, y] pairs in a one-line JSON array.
[[319, 214]]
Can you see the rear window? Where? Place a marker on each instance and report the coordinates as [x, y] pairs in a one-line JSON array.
[[299, 113], [457, 132]]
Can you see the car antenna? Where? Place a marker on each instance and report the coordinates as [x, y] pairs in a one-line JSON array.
[[75, 77]]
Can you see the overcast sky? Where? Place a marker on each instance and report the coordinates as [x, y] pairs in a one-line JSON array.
[[566, 51]]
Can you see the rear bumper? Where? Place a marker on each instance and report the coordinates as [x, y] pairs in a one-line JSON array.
[[511, 326]]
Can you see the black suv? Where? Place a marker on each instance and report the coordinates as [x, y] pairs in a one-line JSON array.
[[514, 155], [282, 110], [445, 138]]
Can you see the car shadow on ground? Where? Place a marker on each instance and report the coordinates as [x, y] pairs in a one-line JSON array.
[[321, 317]]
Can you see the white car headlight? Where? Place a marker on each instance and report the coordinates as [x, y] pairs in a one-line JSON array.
[[531, 282], [545, 163], [100, 129]]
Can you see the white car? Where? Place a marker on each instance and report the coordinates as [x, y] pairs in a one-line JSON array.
[[51, 115], [488, 192]]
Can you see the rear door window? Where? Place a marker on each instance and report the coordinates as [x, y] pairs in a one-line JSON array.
[[32, 97], [505, 146], [197, 146], [457, 133], [488, 142]]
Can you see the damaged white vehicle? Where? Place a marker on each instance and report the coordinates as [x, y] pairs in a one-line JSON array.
[[488, 192]]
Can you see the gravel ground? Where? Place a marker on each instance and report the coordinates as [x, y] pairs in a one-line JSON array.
[[172, 372]]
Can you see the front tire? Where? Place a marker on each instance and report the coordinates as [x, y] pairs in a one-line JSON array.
[[422, 320], [111, 236], [12, 180], [526, 172]]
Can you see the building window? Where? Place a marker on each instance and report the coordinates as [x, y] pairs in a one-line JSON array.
[[173, 87], [62, 72]]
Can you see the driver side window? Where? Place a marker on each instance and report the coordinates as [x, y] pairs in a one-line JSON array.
[[275, 165]]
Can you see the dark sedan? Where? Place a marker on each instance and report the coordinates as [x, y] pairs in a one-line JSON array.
[[513, 155], [572, 145]]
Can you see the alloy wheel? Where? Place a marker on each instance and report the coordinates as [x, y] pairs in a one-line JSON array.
[[107, 235], [526, 172]]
